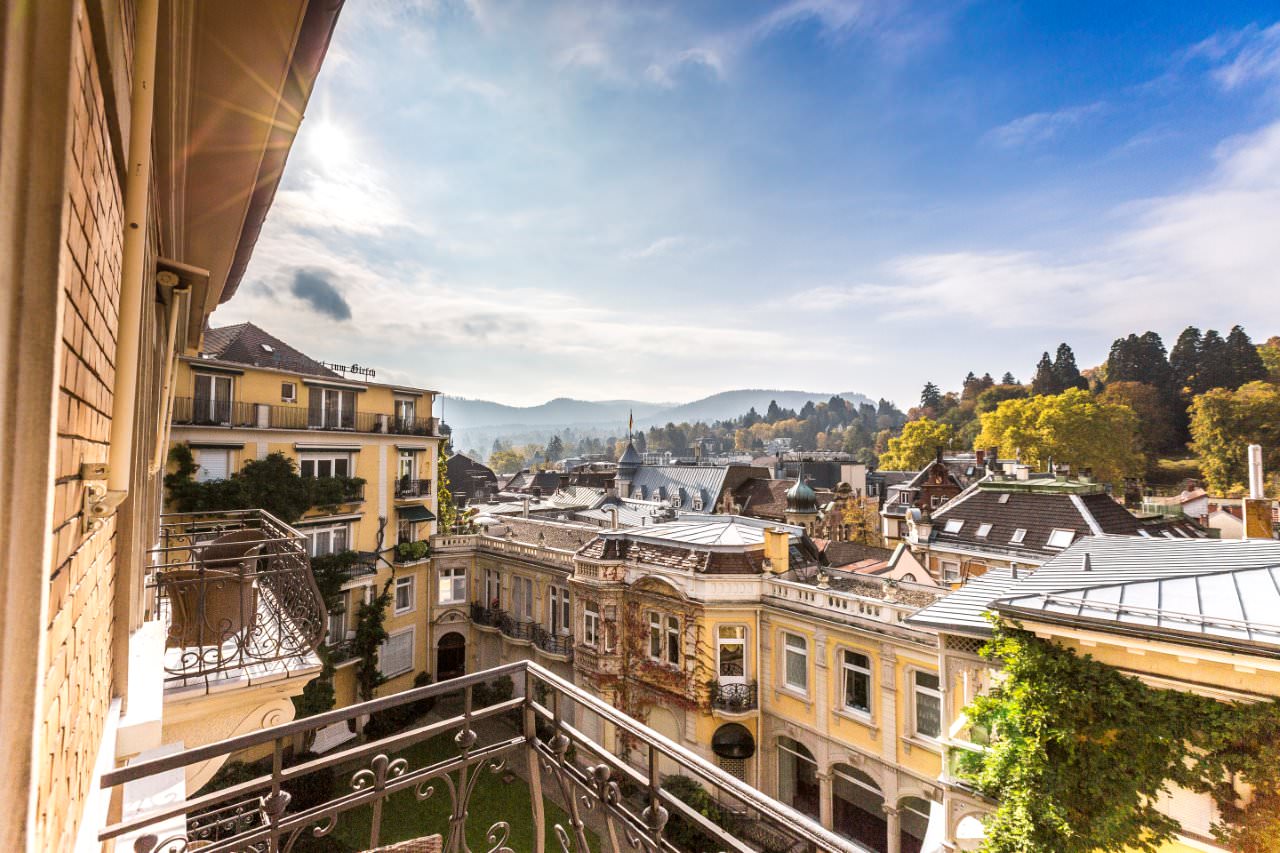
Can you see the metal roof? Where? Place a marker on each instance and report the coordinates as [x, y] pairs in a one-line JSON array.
[[710, 530]]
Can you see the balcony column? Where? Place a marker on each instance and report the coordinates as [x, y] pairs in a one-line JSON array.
[[891, 816], [824, 798]]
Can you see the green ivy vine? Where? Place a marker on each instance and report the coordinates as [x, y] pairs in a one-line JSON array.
[[1082, 751]]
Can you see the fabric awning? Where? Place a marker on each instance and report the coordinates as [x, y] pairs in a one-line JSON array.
[[733, 741], [415, 512]]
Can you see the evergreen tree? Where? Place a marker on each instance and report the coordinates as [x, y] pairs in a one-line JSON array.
[[1244, 364], [773, 414], [1045, 381], [555, 449], [1213, 370], [986, 382], [1065, 372], [1008, 379], [971, 387], [1184, 360], [931, 396]]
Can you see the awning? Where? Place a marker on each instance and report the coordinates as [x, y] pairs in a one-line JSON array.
[[733, 741], [415, 512]]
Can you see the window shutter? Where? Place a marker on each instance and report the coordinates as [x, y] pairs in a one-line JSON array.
[[213, 464], [315, 399], [396, 654]]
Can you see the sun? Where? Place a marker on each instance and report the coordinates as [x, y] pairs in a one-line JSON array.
[[329, 143]]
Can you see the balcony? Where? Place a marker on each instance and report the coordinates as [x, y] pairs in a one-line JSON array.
[[227, 413], [553, 643], [369, 793], [407, 489], [486, 617], [237, 596], [734, 698], [411, 552]]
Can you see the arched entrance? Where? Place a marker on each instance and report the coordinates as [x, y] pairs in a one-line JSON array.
[[857, 807], [451, 656], [797, 777]]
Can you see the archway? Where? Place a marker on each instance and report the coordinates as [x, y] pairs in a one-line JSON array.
[[451, 656], [797, 777], [913, 823], [857, 807], [664, 722]]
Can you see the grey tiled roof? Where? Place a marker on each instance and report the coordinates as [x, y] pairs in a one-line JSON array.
[[243, 344], [659, 482]]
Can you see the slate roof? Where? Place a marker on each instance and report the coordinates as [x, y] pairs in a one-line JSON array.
[[698, 543], [525, 481], [549, 534], [243, 344], [468, 476], [675, 557], [844, 553], [659, 482], [761, 497], [1113, 561]]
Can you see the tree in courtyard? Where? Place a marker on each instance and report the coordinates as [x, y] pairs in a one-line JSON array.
[[1072, 428], [1223, 425], [917, 445]]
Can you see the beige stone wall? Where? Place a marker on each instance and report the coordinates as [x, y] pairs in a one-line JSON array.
[[79, 634]]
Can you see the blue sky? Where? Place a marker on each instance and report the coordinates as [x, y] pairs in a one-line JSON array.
[[600, 200]]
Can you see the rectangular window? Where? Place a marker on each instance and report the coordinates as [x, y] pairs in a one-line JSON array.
[[559, 610], [492, 589], [928, 705], [405, 411], [1062, 538], [796, 661], [984, 529], [950, 570], [211, 403], [395, 656], [325, 465], [1018, 536], [857, 681], [408, 466], [288, 392], [522, 598], [215, 464], [590, 625], [655, 636], [337, 626], [404, 531], [953, 525], [404, 594], [331, 408], [453, 585], [327, 539], [673, 640], [731, 652]]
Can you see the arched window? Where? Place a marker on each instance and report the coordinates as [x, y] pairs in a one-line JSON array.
[[913, 823], [857, 807], [797, 777]]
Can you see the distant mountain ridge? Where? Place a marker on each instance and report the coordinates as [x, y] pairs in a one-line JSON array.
[[465, 414]]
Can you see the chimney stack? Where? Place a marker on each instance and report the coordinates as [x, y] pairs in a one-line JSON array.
[[777, 549], [1256, 508]]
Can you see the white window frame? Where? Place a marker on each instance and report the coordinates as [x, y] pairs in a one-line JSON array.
[[336, 629], [492, 588], [655, 635], [312, 533], [801, 652], [522, 598], [947, 573], [199, 453], [1058, 532], [291, 395], [560, 611], [849, 667], [953, 525], [737, 636], [408, 584], [316, 458], [674, 652], [406, 409], [411, 631], [933, 693], [407, 471], [340, 412], [1018, 536], [984, 530], [453, 585], [590, 625]]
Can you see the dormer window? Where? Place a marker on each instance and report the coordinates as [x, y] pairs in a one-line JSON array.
[[983, 530], [953, 525], [1060, 538]]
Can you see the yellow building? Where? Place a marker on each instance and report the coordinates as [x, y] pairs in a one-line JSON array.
[[142, 146], [1189, 615], [246, 394]]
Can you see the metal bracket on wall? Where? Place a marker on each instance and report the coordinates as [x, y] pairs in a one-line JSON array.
[[98, 503]]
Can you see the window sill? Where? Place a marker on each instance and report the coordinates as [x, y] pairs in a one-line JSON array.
[[921, 742], [794, 693], [859, 717]]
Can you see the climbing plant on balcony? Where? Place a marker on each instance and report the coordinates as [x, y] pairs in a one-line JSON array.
[[371, 633], [1083, 751], [446, 513]]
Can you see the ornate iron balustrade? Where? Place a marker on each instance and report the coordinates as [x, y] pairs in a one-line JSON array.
[[236, 590], [407, 488], [487, 616], [735, 698], [552, 643], [619, 785], [516, 629]]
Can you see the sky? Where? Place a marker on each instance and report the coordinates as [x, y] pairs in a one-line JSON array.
[[602, 200]]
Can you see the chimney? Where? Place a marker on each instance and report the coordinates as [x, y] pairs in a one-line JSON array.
[[1256, 508], [980, 458], [1086, 475], [613, 515], [938, 453], [993, 458], [1023, 472], [1132, 493], [777, 549]]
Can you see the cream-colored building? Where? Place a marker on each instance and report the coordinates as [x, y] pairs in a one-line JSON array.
[[142, 142]]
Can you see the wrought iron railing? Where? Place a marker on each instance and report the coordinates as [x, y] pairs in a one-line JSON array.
[[236, 590], [539, 734], [407, 488], [735, 698], [486, 616], [231, 413], [552, 642]]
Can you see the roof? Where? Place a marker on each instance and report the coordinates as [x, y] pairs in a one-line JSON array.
[[844, 553], [1112, 560], [245, 343], [630, 456], [549, 534], [660, 482], [762, 497]]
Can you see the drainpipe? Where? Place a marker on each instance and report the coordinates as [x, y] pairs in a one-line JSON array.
[[179, 306], [134, 283]]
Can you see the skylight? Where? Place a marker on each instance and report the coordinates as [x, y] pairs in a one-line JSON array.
[[953, 525], [1060, 538], [1018, 536], [267, 348], [1003, 499], [983, 530]]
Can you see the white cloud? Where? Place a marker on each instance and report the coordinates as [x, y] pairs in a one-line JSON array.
[[1211, 251], [661, 246], [1242, 56], [1040, 127]]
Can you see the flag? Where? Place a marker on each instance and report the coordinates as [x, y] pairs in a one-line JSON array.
[[631, 422]]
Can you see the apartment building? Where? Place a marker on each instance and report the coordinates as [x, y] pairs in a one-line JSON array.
[[132, 198], [245, 394]]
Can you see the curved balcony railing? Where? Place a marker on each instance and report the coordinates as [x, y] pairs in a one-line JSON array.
[[552, 643], [735, 698], [235, 590], [539, 734]]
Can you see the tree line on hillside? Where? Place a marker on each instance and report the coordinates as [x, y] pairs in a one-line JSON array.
[[1212, 394]]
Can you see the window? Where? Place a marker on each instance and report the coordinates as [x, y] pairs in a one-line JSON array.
[[1062, 538], [331, 408], [396, 655], [935, 501], [1003, 499], [492, 588], [655, 636], [697, 504], [950, 570], [1018, 536], [453, 585], [408, 466], [798, 777], [590, 625], [795, 662], [857, 681], [327, 539], [983, 530], [928, 701], [288, 392], [215, 464], [325, 465], [211, 403], [522, 597], [559, 610], [404, 531], [404, 411], [731, 653], [404, 594], [337, 626], [953, 525], [673, 640]]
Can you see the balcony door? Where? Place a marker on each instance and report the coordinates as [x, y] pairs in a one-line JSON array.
[[331, 408], [405, 411], [212, 401], [408, 473], [731, 654]]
